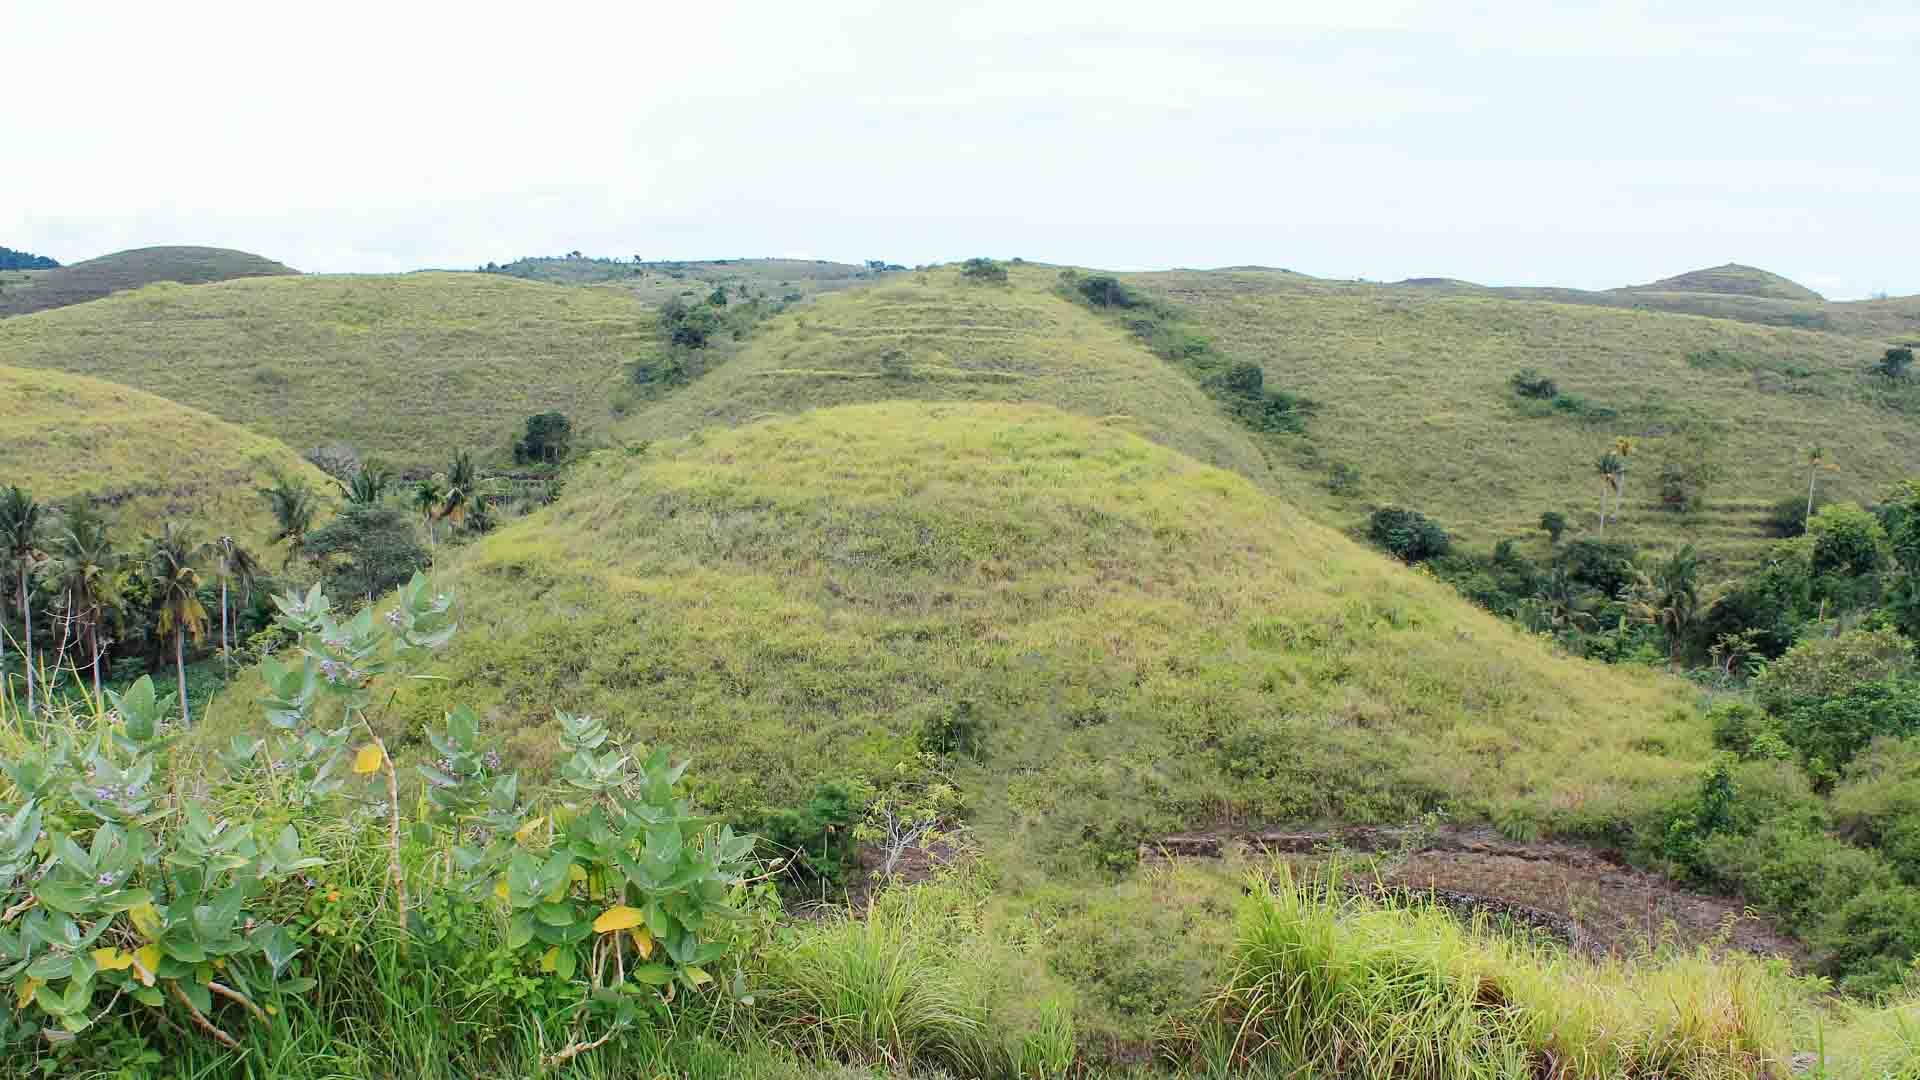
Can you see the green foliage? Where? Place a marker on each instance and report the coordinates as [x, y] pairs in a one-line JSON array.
[[1108, 292], [1828, 731], [1407, 535], [24, 260], [1747, 731], [816, 839], [983, 271], [1689, 468], [549, 439], [1896, 364], [1847, 541], [1554, 524], [1530, 383], [1824, 668], [1243, 386], [366, 550], [1877, 803], [1605, 566]]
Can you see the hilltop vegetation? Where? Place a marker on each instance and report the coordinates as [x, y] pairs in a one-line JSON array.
[[657, 281], [108, 274], [401, 368], [935, 336], [25, 260], [145, 459], [1418, 406]]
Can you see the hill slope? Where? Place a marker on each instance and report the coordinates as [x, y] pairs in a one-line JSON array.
[[404, 368], [1141, 641], [124, 270], [933, 337], [148, 458], [1733, 279], [1415, 398]]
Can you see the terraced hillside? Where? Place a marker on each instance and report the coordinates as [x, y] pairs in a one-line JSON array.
[[931, 336], [147, 458], [402, 367], [41, 290], [1413, 384]]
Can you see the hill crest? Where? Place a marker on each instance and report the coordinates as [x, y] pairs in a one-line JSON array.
[[131, 269], [1731, 279]]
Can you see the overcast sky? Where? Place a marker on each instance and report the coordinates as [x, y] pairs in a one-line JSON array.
[[1587, 144]]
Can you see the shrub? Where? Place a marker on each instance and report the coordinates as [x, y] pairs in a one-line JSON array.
[[1529, 383], [983, 271], [1847, 541], [1800, 875], [1827, 732], [1895, 364], [1110, 292], [1554, 524], [1870, 942], [1605, 566], [1746, 731], [1815, 670], [1878, 803], [1407, 535], [1788, 517], [816, 839]]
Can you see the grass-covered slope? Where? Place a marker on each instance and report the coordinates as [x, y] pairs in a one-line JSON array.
[[1143, 642], [1414, 394], [124, 270], [144, 457], [405, 368], [932, 336], [1733, 279]]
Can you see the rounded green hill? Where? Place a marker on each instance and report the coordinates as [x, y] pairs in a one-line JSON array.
[[146, 458], [125, 270]]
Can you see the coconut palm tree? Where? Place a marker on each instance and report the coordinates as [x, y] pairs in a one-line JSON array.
[[426, 499], [232, 563], [20, 522], [367, 485], [1670, 597], [294, 507], [1622, 449], [84, 564], [170, 564], [1608, 466], [1815, 455], [462, 488]]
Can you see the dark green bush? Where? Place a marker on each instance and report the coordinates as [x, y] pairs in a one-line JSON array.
[[983, 271], [1110, 292], [1407, 535], [1747, 731], [1828, 732], [1869, 944], [1877, 803], [817, 838], [1529, 383], [1554, 524], [1605, 566], [956, 730]]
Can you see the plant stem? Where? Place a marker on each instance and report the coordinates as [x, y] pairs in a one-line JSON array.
[[200, 1021]]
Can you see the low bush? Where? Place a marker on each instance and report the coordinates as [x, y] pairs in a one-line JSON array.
[[1108, 292], [983, 272], [1407, 535], [1529, 383]]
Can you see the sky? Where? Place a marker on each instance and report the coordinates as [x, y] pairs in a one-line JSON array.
[[1588, 144]]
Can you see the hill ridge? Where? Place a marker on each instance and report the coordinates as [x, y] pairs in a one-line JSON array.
[[80, 282]]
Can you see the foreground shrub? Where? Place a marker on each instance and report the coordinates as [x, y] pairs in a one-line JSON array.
[[1326, 986]]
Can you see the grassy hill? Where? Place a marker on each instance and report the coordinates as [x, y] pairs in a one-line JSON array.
[[1144, 642], [931, 336], [41, 290], [406, 368], [1413, 384], [1742, 293], [657, 281], [146, 457]]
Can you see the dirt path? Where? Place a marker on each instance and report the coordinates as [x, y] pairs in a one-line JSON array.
[[1574, 894]]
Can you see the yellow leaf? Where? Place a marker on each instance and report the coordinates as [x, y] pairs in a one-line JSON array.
[[550, 959], [25, 993], [617, 918], [109, 958], [699, 977], [577, 873], [642, 941], [368, 759], [500, 888], [146, 961], [146, 919], [524, 833]]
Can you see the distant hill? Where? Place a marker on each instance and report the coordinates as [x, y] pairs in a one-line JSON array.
[[658, 281], [1416, 408], [407, 368], [25, 260], [1732, 279], [124, 270], [146, 458], [929, 336]]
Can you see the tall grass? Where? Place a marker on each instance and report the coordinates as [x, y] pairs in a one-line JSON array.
[[1345, 987]]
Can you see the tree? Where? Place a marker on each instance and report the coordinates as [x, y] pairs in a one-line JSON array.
[[1554, 523], [367, 484], [984, 271], [549, 438], [1669, 597], [1896, 365], [1607, 466], [461, 490], [20, 522], [426, 499], [1408, 535], [232, 563], [171, 559], [367, 550], [1102, 290], [85, 566], [22, 260], [1622, 449], [294, 507], [1815, 456]]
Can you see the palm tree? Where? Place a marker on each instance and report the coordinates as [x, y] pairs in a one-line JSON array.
[[461, 490], [170, 564], [20, 542], [426, 498], [85, 561], [232, 563], [1622, 449], [1670, 597], [294, 508], [1608, 466], [367, 485], [1815, 454]]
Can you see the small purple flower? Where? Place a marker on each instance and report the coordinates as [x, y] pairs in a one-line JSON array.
[[105, 879], [103, 793], [393, 618], [493, 759]]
